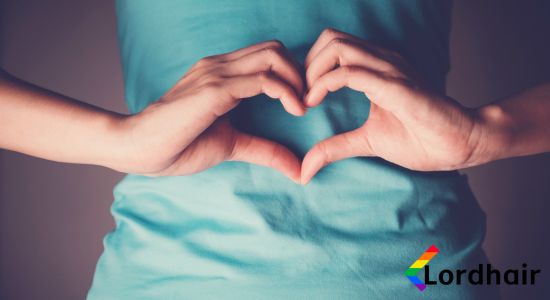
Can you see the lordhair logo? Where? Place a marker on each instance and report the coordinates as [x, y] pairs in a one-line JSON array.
[[484, 274], [422, 261]]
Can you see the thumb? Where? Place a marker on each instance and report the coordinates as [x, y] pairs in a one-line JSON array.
[[260, 151], [348, 144]]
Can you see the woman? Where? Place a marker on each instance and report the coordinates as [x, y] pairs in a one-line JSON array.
[[243, 231], [240, 231]]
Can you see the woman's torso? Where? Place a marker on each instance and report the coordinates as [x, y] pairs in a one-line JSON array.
[[240, 230]]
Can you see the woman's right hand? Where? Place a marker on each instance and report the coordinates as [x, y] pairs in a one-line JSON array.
[[186, 130]]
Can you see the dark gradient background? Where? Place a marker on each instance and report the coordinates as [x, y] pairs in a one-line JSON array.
[[54, 216]]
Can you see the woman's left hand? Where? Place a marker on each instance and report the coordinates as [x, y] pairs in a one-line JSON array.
[[408, 124]]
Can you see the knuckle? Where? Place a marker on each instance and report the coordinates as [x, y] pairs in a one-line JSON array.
[[350, 70], [213, 88], [205, 61], [216, 73], [398, 82], [208, 80], [398, 73], [388, 67], [339, 43], [264, 76], [330, 33], [275, 44], [272, 52]]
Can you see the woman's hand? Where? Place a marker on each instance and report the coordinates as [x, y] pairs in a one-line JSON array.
[[186, 130], [408, 124]]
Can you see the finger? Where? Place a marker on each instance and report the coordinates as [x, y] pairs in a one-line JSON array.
[[274, 59], [348, 144], [245, 86], [324, 38], [380, 90], [219, 58], [343, 52], [259, 151], [252, 48]]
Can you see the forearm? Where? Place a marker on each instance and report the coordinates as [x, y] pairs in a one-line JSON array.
[[44, 124], [516, 126]]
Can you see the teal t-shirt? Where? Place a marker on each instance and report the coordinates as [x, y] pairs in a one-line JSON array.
[[241, 231]]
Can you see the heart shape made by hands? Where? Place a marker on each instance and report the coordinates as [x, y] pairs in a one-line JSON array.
[[408, 123]]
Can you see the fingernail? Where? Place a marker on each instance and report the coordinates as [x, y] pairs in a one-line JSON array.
[[303, 179], [306, 98]]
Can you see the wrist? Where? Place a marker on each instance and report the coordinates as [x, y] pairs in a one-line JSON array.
[[130, 144], [493, 132], [117, 146], [139, 142]]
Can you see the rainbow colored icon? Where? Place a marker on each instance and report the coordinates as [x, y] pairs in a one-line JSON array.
[[422, 261]]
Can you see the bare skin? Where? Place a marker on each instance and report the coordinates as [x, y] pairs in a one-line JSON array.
[[185, 131], [409, 124]]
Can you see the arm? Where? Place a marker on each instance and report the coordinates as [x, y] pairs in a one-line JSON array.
[[516, 126], [411, 125], [184, 132], [41, 123]]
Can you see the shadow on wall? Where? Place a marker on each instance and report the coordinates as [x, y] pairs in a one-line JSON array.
[[499, 48]]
